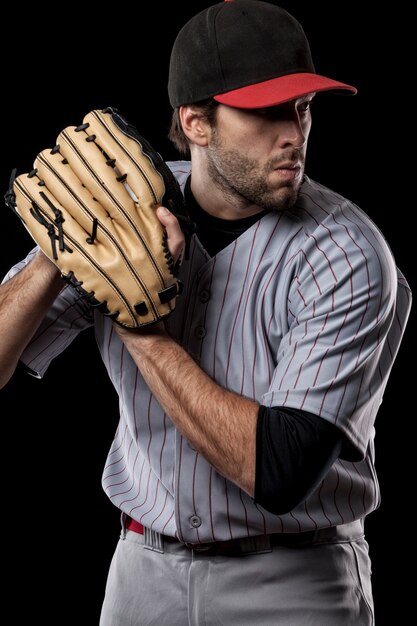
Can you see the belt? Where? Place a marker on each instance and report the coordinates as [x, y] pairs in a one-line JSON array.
[[260, 543]]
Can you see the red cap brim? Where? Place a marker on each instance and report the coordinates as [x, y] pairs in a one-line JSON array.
[[279, 90]]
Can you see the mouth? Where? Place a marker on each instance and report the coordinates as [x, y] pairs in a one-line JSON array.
[[288, 170], [288, 165]]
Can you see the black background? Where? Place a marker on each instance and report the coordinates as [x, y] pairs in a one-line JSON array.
[[57, 431]]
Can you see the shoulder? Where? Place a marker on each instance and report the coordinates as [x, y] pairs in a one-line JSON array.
[[318, 206], [181, 171], [345, 248], [339, 227]]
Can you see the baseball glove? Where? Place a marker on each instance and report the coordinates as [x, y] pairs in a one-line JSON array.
[[90, 204]]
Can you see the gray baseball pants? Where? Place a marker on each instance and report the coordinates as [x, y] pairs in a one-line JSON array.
[[324, 583]]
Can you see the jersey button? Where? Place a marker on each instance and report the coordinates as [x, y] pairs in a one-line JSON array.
[[195, 521], [200, 332], [204, 295]]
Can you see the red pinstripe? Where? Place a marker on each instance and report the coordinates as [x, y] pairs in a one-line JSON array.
[[288, 366], [240, 301], [178, 483], [57, 351], [160, 474], [229, 270], [153, 504], [119, 472], [193, 490], [54, 320], [379, 307], [263, 518], [133, 484], [138, 506], [320, 489], [351, 488], [167, 522], [325, 256], [228, 511], [150, 428], [296, 520], [122, 493], [210, 505], [155, 519], [311, 349], [312, 271], [258, 328], [135, 419], [246, 512], [117, 449], [334, 495], [256, 270], [187, 283], [109, 342], [265, 336], [309, 516], [204, 321]]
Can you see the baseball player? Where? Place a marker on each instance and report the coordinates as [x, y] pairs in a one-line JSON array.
[[243, 463]]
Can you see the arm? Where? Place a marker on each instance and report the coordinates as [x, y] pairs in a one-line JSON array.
[[292, 450], [24, 299], [218, 423]]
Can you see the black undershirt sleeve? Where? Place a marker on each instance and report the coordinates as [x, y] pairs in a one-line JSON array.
[[294, 451]]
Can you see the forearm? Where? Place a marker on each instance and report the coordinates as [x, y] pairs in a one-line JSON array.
[[219, 424], [24, 301]]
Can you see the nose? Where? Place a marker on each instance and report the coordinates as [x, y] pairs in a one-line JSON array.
[[290, 132]]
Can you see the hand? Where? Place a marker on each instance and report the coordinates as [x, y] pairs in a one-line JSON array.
[[174, 232], [123, 265], [176, 243]]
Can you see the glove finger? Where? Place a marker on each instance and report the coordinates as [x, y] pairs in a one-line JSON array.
[[68, 189], [139, 174], [95, 171], [42, 214], [89, 163], [130, 159], [104, 166], [66, 243], [135, 251], [80, 204], [80, 208], [78, 201]]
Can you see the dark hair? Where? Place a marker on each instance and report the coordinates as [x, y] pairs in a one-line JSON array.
[[176, 134]]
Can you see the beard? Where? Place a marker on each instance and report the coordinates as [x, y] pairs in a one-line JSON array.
[[243, 180]]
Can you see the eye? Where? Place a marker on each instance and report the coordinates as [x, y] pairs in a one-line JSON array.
[[263, 112], [272, 113], [304, 107]]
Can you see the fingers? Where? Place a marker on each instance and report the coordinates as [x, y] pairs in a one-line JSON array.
[[174, 232]]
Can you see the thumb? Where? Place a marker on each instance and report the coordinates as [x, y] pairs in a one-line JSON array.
[[174, 232]]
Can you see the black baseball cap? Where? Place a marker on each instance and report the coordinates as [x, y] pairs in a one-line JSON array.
[[244, 53]]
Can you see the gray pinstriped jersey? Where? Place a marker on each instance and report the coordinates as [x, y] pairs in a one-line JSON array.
[[305, 309]]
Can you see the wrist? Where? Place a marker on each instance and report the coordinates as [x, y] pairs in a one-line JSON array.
[[144, 335], [42, 264]]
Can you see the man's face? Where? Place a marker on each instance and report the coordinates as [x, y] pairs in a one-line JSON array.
[[257, 156]]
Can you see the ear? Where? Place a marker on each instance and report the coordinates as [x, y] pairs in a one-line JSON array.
[[195, 128]]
